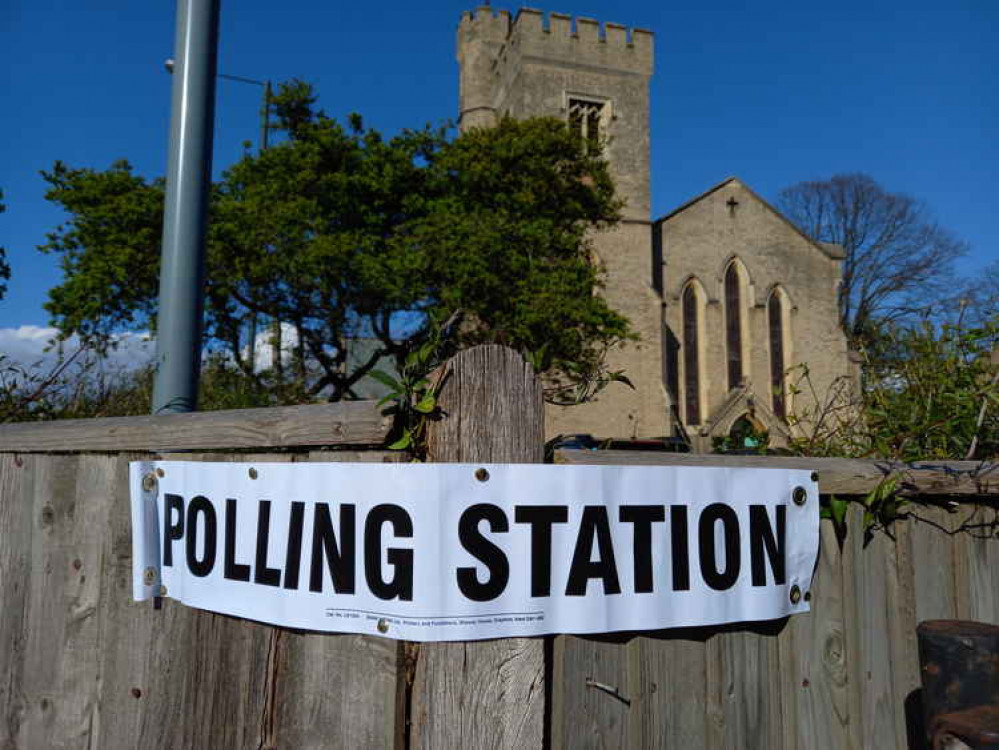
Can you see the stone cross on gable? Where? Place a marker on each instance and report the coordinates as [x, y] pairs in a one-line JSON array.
[[732, 203]]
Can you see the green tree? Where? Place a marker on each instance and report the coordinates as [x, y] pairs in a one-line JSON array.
[[342, 233], [108, 250]]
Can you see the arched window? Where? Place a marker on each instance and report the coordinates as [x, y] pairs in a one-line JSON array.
[[691, 363], [775, 312], [733, 325]]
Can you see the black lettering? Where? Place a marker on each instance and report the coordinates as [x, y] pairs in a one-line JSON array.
[[200, 506], [476, 544], [231, 569], [261, 573], [339, 558], [719, 579], [541, 518], [642, 516], [680, 547], [172, 530], [761, 535], [401, 560], [593, 523], [293, 558]]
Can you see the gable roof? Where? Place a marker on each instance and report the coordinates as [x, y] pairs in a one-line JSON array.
[[828, 249]]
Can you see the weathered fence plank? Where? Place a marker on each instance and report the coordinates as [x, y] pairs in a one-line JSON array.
[[592, 699], [744, 688], [902, 629], [813, 661], [130, 689], [837, 476], [869, 635], [976, 563], [54, 717], [671, 672], [489, 694], [342, 423], [933, 550], [212, 670], [16, 495]]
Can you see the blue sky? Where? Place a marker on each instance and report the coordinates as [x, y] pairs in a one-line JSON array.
[[772, 92]]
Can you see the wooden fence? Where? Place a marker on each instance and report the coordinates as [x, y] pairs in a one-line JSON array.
[[83, 666]]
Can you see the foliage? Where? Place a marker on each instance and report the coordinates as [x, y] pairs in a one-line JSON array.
[[927, 392], [342, 233], [931, 392], [81, 385], [413, 394], [898, 260], [108, 250], [750, 439]]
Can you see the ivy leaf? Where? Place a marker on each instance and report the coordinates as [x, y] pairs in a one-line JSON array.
[[426, 404], [837, 510], [620, 377], [402, 443], [387, 380]]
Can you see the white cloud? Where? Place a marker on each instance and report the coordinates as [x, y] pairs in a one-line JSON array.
[[36, 348]]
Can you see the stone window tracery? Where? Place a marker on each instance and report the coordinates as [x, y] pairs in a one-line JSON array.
[[775, 314], [691, 358], [586, 120], [733, 326]]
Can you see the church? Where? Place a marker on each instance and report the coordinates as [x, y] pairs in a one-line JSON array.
[[731, 301]]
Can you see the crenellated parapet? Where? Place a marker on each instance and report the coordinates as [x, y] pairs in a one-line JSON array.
[[484, 23], [557, 36]]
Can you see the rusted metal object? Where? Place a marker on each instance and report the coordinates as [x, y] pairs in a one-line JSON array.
[[959, 663], [977, 728]]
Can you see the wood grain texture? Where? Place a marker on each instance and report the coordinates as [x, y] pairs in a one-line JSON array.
[[667, 686], [179, 677], [902, 622], [869, 635], [16, 504], [52, 718], [814, 661], [484, 694], [837, 476], [343, 423], [976, 562], [932, 545], [593, 698], [744, 691]]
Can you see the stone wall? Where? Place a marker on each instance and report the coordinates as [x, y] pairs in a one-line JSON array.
[[531, 66], [701, 239]]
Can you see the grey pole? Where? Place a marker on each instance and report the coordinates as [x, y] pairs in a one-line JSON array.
[[189, 173]]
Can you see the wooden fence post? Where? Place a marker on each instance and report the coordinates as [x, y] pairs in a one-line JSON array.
[[485, 694]]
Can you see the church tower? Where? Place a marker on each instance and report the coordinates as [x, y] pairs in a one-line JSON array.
[[596, 78]]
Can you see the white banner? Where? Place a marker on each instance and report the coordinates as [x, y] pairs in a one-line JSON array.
[[442, 552]]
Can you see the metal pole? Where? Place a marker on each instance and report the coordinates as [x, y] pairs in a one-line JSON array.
[[189, 172]]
